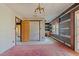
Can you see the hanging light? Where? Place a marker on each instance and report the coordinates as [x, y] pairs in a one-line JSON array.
[[39, 9]]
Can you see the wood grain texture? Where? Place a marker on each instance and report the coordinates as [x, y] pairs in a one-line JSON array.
[[25, 30]]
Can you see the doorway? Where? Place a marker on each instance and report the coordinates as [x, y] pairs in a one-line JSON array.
[[27, 30], [17, 30]]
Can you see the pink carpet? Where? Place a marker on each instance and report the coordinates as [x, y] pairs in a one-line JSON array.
[[40, 50]]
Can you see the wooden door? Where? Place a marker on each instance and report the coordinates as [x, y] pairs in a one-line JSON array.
[[25, 30]]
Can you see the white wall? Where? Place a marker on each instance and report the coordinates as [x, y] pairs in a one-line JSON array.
[[7, 28], [42, 30]]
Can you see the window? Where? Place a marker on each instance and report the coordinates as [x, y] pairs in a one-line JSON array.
[[55, 28]]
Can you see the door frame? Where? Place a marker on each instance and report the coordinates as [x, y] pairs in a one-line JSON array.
[[18, 23]]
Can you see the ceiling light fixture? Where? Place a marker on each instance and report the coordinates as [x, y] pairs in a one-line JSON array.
[[39, 9]]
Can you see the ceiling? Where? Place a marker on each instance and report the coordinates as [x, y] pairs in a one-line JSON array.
[[52, 10]]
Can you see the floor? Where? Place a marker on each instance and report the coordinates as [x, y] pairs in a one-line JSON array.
[[43, 41], [53, 49]]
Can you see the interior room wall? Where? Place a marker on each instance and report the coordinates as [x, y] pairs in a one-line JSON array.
[[7, 28], [42, 30]]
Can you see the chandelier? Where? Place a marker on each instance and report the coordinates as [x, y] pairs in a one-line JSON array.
[[39, 9]]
